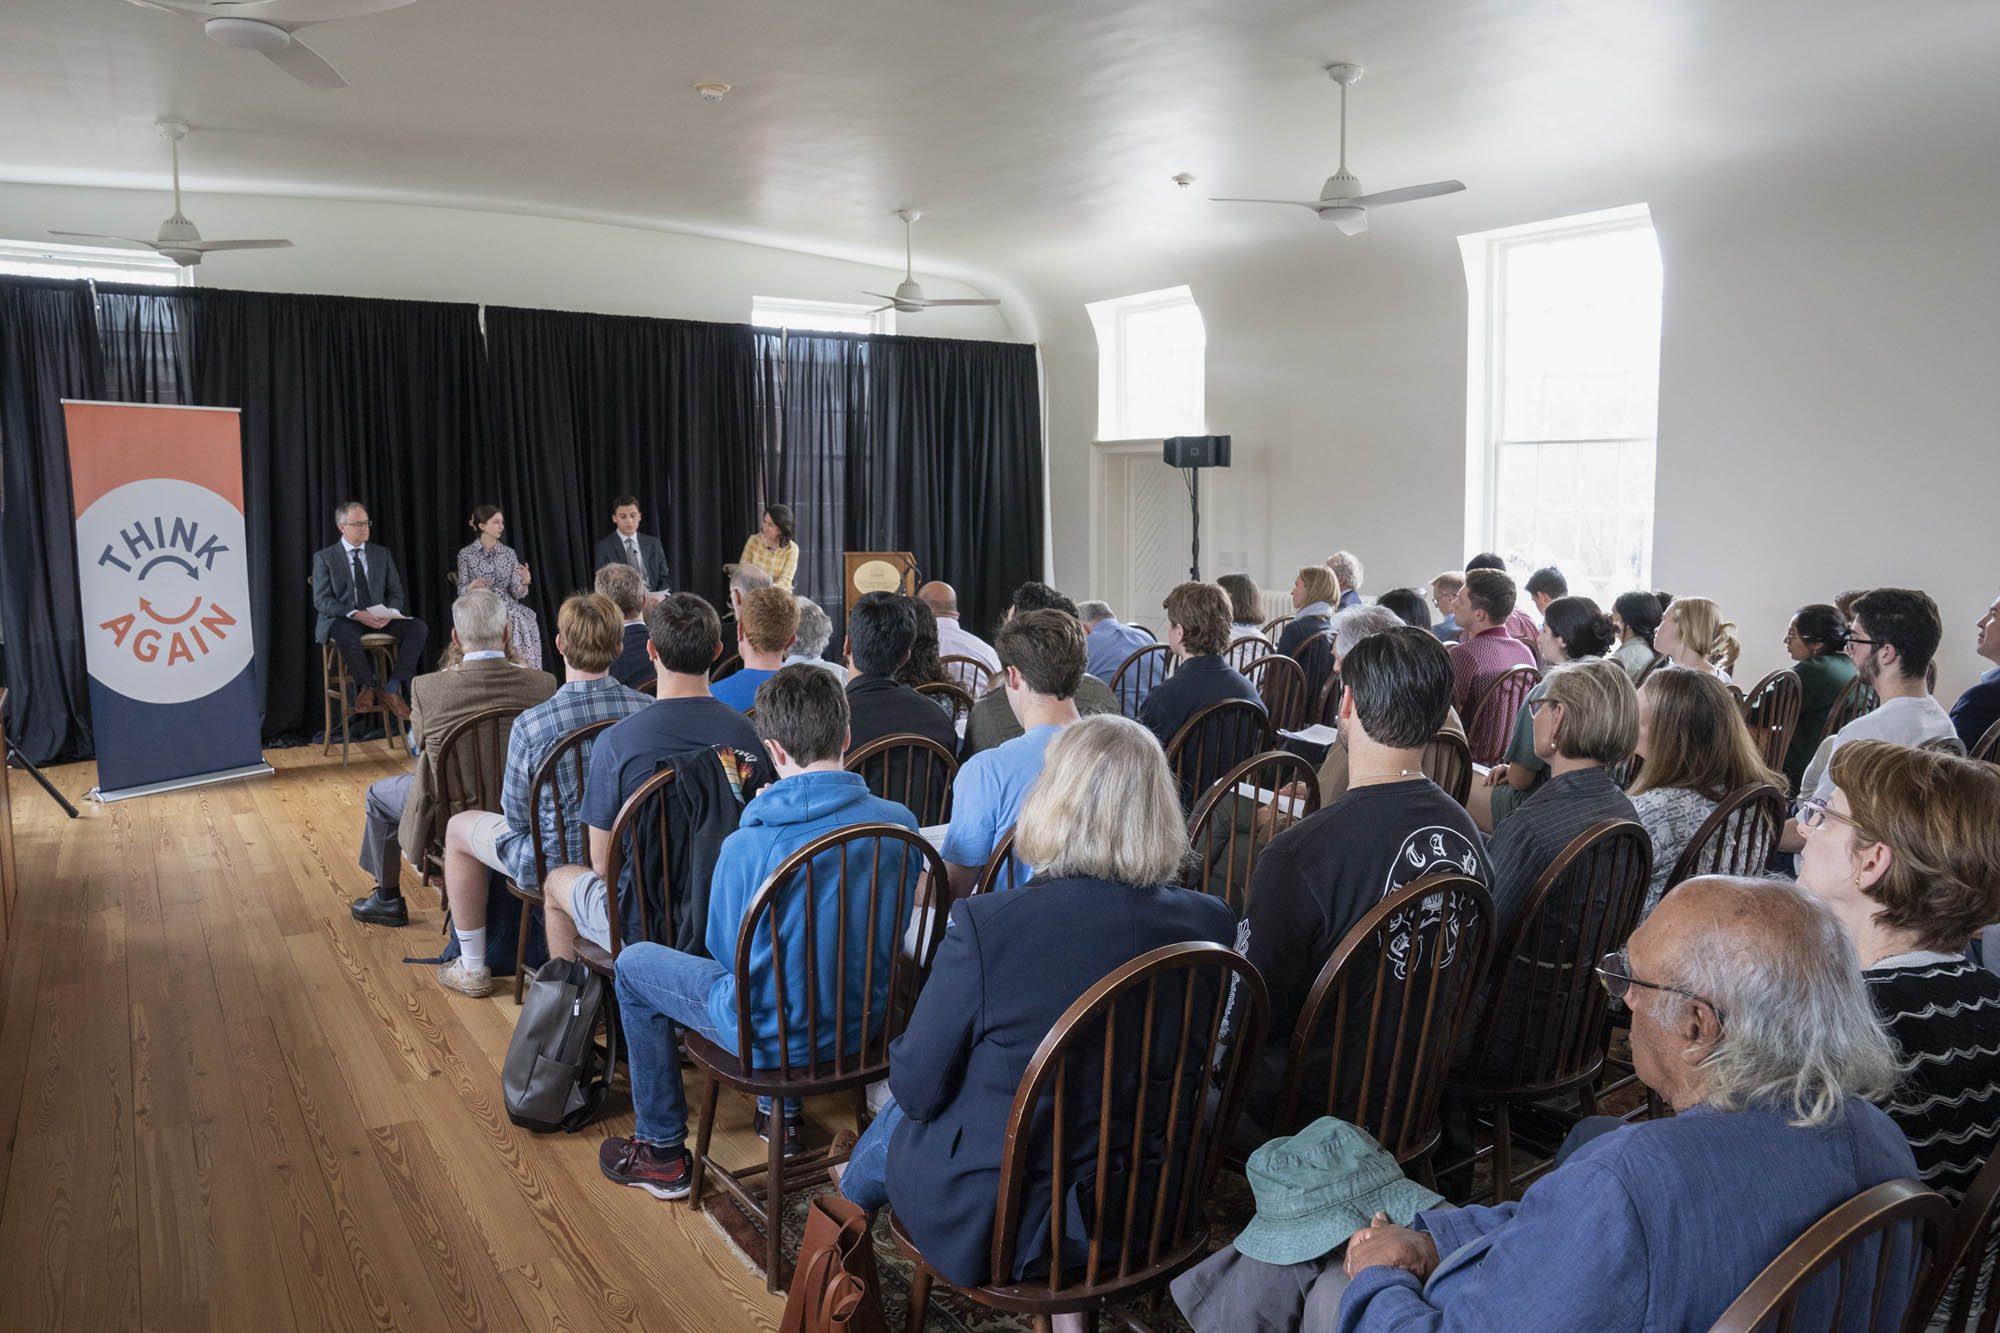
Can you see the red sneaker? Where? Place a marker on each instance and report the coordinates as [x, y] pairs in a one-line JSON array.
[[664, 1173]]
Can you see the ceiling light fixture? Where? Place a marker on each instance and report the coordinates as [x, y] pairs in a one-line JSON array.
[[1183, 179], [712, 90]]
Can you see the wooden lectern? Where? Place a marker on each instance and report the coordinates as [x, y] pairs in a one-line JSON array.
[[880, 571]]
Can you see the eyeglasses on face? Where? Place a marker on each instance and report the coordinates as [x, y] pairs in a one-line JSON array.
[[356, 523], [1853, 639], [1814, 812], [1535, 706], [1614, 973]]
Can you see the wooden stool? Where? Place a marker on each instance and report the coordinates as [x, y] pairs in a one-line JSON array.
[[339, 691]]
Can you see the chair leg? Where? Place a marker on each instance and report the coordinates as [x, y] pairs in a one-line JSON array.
[[701, 1138], [1586, 1099], [346, 718], [774, 1196], [920, 1298], [521, 953], [1503, 1154]]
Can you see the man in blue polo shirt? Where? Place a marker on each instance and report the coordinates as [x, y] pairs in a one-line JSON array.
[[1042, 653]]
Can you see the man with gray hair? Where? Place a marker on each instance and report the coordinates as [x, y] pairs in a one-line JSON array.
[[621, 583], [349, 580], [1350, 627], [1108, 643], [1750, 1017], [815, 628], [399, 811], [1346, 567], [742, 580]]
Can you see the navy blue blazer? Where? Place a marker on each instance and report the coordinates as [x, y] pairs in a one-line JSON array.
[[611, 551], [1009, 965], [632, 667]]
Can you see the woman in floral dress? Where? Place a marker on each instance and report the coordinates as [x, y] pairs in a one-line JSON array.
[[490, 563]]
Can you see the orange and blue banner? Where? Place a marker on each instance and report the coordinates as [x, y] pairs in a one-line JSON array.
[[163, 569]]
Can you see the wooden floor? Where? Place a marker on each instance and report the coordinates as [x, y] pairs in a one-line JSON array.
[[226, 1105]]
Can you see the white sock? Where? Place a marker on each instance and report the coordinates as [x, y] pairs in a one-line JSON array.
[[472, 948]]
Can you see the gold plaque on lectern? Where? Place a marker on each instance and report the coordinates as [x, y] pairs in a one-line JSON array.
[[880, 571]]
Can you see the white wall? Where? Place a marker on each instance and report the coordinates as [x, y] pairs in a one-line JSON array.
[[440, 254]]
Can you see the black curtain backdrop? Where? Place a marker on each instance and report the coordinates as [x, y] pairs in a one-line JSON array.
[[877, 443]]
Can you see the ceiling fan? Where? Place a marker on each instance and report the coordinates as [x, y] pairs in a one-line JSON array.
[[1341, 201], [271, 27], [909, 298], [178, 240]]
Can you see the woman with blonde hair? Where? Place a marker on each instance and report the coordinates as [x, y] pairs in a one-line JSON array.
[[1313, 595], [1697, 750], [1693, 633], [1906, 852], [1103, 826]]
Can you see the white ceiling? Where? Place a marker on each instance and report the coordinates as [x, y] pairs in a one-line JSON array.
[[1038, 136]]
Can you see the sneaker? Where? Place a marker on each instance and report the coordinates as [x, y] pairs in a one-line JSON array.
[[379, 910], [664, 1173], [763, 1124], [476, 982]]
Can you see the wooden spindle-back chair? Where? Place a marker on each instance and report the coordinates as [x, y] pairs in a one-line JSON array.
[[468, 769], [1230, 826], [1138, 674], [1282, 683], [1736, 838], [1448, 762], [557, 786], [1771, 708], [1215, 740], [1490, 724], [969, 673], [1855, 698], [914, 771]]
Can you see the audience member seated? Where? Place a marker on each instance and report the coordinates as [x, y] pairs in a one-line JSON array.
[[1587, 717], [1246, 607], [1444, 596], [1346, 569], [744, 580], [1892, 637], [771, 547], [992, 721], [1313, 595], [620, 582], [475, 841], [1694, 635], [1636, 618], [1042, 653], [1843, 602], [1392, 826], [398, 811], [954, 639], [1105, 828], [1979, 707], [1546, 585], [1349, 628], [488, 563], [626, 545], [766, 625], [1749, 1018], [1108, 640], [348, 578], [922, 666], [1517, 622], [802, 719], [1484, 650], [685, 641], [815, 630], [1697, 750], [1817, 642], [879, 632], [1198, 635], [1408, 604], [1573, 630]]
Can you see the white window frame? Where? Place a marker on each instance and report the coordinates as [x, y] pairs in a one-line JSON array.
[[99, 263], [1109, 318], [1485, 369], [787, 312]]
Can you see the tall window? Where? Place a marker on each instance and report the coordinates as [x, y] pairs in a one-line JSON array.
[[100, 263], [783, 312], [1150, 353], [1563, 397]]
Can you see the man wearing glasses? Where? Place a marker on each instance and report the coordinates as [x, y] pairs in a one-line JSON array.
[[349, 579], [1750, 1017], [1892, 638]]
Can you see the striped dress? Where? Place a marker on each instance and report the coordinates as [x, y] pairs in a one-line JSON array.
[[1944, 1013]]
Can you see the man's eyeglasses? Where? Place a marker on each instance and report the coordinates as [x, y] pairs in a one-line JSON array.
[[1814, 812], [1614, 973], [1853, 639], [356, 523]]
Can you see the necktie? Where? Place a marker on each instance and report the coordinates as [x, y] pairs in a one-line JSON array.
[[632, 554], [360, 578]]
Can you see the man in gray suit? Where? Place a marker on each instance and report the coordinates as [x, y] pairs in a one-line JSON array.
[[626, 545], [348, 577]]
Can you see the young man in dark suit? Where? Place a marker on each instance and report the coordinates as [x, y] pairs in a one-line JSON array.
[[625, 544], [348, 577]]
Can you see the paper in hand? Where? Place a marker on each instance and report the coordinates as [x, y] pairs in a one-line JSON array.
[[386, 612]]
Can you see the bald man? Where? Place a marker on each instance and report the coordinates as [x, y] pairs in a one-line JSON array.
[[953, 639]]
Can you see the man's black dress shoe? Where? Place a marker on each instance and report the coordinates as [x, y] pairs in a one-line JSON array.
[[379, 911]]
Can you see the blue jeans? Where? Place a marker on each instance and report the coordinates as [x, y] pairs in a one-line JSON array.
[[658, 988], [865, 1182]]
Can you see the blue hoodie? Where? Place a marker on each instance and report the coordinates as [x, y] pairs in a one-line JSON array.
[[779, 820]]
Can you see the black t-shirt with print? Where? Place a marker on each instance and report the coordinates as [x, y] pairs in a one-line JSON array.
[[1320, 877]]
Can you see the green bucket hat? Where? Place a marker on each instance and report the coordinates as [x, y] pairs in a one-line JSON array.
[[1320, 1186]]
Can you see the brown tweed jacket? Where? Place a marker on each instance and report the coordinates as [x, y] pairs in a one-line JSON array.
[[441, 700]]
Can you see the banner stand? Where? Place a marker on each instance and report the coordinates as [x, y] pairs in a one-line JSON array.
[[103, 797]]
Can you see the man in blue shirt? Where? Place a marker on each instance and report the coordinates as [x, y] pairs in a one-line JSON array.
[[1110, 642], [475, 841], [802, 718], [767, 623], [1042, 654], [1346, 568], [685, 638]]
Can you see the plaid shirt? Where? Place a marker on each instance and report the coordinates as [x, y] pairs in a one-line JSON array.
[[577, 703], [781, 564]]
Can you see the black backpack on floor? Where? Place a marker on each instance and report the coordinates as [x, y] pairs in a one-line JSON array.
[[555, 1076]]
